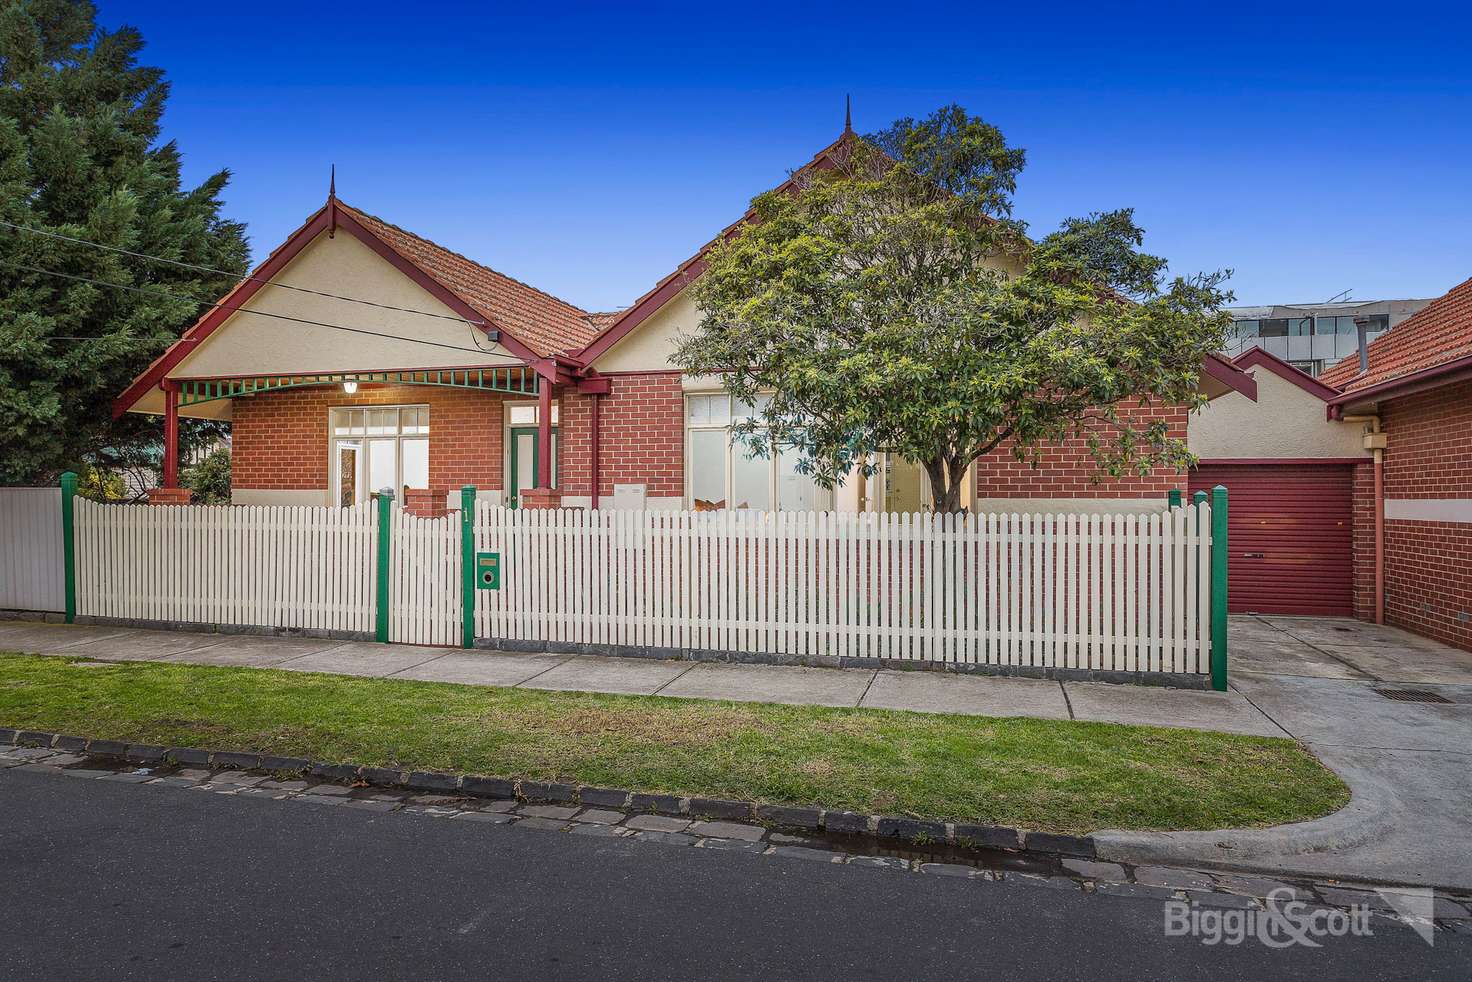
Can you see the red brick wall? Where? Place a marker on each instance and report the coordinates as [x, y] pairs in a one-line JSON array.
[[1363, 547], [641, 436], [279, 441], [1067, 469], [1428, 576]]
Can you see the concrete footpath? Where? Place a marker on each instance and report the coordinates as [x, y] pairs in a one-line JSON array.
[[1318, 680], [934, 692]]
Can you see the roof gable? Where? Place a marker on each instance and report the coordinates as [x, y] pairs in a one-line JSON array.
[[532, 325], [1439, 333], [545, 323], [624, 322], [1259, 357]]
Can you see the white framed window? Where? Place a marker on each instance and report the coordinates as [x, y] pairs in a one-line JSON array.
[[722, 473], [375, 447]]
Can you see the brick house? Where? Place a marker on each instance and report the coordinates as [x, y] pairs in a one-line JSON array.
[[360, 356], [1413, 390]]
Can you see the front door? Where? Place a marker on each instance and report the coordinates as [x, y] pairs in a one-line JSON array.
[[525, 467], [906, 486]]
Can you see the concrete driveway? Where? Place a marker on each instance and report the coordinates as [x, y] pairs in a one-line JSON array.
[[1341, 648], [1408, 763]]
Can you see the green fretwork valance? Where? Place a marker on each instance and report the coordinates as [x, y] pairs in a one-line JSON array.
[[517, 380]]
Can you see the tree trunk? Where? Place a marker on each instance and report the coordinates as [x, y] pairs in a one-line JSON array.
[[947, 484]]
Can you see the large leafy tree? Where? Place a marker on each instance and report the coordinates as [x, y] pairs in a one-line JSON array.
[[80, 156], [888, 302]]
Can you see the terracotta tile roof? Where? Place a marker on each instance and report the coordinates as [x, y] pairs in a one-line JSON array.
[[1438, 333], [604, 318], [539, 320]]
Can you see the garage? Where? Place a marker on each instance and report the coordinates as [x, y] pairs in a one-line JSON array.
[[1290, 532]]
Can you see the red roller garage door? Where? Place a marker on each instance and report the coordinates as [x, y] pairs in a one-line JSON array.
[[1290, 531]]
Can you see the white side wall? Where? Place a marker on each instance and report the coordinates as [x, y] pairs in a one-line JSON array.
[[1285, 421], [649, 347]]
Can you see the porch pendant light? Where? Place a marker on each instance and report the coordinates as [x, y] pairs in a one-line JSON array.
[[350, 386]]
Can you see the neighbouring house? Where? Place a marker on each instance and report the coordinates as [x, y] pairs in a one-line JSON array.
[[1292, 474], [1413, 390], [359, 356], [1313, 336]]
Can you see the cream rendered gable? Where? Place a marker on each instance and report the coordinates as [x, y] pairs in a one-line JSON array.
[[247, 344], [1285, 422], [650, 347]]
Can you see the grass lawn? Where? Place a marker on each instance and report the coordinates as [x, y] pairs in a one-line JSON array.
[[1037, 774]]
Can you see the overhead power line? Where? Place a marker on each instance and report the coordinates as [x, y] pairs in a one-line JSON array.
[[225, 272], [164, 294]]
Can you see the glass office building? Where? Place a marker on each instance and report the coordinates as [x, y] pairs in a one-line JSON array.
[[1312, 337]]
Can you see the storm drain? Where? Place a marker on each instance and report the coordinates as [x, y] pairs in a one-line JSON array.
[[1413, 695]]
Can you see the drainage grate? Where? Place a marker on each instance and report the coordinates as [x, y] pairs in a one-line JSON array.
[[1412, 695]]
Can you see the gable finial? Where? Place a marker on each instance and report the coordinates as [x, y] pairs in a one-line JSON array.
[[848, 114], [332, 203]]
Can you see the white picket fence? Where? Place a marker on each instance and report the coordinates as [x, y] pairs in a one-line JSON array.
[[1111, 592], [32, 563], [1115, 592], [264, 566]]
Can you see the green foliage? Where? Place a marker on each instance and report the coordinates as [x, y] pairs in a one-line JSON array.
[[210, 478], [889, 304], [104, 486], [79, 156]]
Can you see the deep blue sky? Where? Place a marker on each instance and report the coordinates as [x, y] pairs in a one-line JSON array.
[[588, 150]]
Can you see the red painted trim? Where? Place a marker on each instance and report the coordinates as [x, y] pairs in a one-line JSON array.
[[1286, 461], [545, 464], [595, 439], [171, 434], [343, 371], [207, 324], [593, 386], [285, 253], [437, 289], [1257, 357], [640, 372], [1230, 375], [669, 287], [1435, 377]]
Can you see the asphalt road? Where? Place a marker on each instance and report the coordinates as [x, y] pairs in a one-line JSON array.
[[114, 881]]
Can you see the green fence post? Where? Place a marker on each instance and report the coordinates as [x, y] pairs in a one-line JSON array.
[[467, 566], [1173, 497], [385, 548], [1219, 588], [69, 543]]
